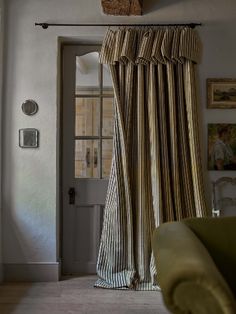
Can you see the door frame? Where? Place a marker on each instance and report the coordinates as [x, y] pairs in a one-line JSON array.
[[62, 42]]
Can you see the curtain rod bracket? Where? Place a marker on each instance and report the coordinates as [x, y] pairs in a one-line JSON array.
[[44, 25], [193, 25]]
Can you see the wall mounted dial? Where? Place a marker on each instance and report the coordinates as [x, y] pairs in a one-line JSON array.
[[29, 107]]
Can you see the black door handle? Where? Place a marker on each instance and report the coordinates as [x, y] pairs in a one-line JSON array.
[[71, 194]]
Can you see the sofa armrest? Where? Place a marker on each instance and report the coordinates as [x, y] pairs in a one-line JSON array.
[[187, 275]]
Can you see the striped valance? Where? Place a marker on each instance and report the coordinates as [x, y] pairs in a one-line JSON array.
[[153, 45]]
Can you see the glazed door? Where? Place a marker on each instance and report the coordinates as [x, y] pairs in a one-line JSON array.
[[86, 154]]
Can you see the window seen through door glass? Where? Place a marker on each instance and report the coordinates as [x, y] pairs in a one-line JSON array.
[[87, 113], [94, 118], [86, 158], [108, 117], [107, 146]]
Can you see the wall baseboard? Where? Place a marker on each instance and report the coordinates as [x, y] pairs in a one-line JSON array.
[[31, 272]]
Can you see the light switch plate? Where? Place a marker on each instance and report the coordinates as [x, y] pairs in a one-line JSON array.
[[28, 138]]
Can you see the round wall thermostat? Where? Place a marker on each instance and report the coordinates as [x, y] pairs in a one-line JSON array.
[[29, 107]]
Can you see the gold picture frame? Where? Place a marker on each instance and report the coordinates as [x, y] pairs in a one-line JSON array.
[[221, 93]]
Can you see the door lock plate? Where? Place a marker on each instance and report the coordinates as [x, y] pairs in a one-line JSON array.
[[71, 194]]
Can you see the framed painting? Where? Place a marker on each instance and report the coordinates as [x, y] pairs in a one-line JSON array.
[[221, 146], [221, 93]]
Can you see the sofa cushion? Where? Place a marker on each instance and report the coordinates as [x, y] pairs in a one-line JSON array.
[[218, 235], [189, 278]]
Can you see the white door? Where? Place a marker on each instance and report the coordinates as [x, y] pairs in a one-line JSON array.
[[87, 120]]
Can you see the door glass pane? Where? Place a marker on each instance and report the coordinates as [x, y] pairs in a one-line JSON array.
[[108, 117], [87, 159], [87, 116], [87, 72], [107, 146]]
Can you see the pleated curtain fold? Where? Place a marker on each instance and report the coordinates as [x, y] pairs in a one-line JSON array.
[[156, 173]]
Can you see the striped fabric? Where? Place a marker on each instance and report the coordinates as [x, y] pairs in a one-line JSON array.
[[161, 44], [156, 172]]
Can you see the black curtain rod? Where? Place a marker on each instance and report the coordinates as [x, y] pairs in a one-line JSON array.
[[46, 25]]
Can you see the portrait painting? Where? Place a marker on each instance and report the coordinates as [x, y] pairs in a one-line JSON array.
[[221, 93], [221, 146]]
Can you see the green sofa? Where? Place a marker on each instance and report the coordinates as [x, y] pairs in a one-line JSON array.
[[196, 265]]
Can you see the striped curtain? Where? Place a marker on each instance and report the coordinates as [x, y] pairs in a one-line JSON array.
[[156, 171]]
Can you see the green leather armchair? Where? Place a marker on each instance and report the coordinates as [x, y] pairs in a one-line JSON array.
[[196, 265]]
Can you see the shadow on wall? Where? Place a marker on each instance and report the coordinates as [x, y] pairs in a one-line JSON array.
[[154, 5]]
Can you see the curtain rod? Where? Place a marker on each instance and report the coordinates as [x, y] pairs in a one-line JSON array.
[[46, 25]]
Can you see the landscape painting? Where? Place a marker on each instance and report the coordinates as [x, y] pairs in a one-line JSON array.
[[221, 93]]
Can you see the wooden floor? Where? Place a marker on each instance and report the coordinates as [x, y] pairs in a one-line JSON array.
[[76, 295]]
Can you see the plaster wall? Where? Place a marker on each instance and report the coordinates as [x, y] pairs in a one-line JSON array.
[[30, 177]]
